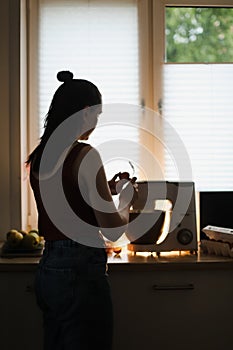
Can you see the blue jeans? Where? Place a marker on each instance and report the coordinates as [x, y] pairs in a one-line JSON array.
[[74, 295]]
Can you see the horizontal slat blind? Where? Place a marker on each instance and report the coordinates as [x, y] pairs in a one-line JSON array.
[[97, 40], [198, 103]]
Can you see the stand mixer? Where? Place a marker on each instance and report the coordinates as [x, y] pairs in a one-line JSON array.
[[163, 218]]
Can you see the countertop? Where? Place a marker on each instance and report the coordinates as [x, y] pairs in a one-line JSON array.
[[141, 261]]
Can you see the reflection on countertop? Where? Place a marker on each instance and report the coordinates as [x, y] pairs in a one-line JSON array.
[[129, 260], [166, 258]]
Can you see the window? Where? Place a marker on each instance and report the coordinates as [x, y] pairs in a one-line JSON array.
[[144, 58], [197, 84], [98, 41], [200, 108], [199, 34]]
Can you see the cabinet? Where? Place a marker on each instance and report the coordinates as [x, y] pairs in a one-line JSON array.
[[160, 306], [173, 309], [21, 320]]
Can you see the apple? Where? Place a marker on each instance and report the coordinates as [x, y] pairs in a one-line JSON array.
[[10, 232], [34, 230], [41, 239], [14, 238], [34, 234], [30, 241], [23, 232]]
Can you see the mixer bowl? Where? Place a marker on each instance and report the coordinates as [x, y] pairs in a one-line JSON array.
[[145, 227]]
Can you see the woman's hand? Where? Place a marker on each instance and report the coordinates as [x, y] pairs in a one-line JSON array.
[[117, 182]]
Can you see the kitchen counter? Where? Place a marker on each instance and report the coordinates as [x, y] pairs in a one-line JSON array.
[[155, 300], [127, 260]]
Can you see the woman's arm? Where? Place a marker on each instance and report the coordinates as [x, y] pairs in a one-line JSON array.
[[112, 221]]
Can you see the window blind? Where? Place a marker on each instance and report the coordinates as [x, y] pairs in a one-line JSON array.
[[198, 103], [97, 40]]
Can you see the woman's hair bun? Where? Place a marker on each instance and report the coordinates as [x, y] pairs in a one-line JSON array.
[[64, 76]]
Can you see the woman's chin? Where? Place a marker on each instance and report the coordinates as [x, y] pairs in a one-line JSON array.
[[84, 137]]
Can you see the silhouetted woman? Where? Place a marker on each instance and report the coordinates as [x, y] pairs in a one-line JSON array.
[[71, 282]]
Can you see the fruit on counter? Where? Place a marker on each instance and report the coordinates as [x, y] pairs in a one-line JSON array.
[[30, 241], [34, 230], [14, 238], [9, 233], [21, 239], [41, 239], [23, 232]]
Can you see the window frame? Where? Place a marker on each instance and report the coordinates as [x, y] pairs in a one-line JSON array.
[[151, 21]]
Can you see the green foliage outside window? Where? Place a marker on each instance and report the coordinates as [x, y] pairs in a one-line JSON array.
[[199, 34]]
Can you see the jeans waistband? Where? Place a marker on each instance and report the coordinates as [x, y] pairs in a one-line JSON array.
[[81, 257], [62, 243]]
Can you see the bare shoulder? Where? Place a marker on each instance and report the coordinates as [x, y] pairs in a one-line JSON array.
[[90, 150], [87, 157]]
